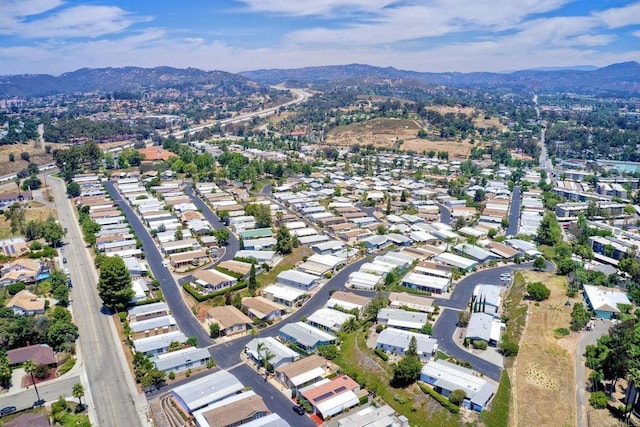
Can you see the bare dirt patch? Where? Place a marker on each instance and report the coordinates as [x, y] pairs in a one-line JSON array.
[[394, 133], [37, 155], [544, 369]]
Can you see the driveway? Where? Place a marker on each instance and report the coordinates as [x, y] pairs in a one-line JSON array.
[[443, 331], [600, 328]]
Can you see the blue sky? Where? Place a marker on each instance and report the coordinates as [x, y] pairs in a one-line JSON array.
[[55, 36]]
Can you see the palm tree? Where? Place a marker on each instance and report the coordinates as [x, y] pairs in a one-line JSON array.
[[268, 357], [30, 367], [78, 391], [259, 349]]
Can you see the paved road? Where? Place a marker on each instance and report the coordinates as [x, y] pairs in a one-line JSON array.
[[228, 354], [514, 212], [446, 324], [111, 384], [600, 328], [266, 190], [233, 245], [445, 213], [369, 210], [443, 331], [172, 293], [49, 391]]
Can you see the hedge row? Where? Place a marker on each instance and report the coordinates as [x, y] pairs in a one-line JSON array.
[[233, 274], [454, 409], [201, 298], [381, 354]]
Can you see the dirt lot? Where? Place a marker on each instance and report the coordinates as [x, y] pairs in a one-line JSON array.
[[36, 155], [387, 132], [544, 390]]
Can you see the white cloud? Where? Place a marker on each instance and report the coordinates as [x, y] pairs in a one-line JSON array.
[[13, 11], [620, 16], [78, 21], [315, 7]]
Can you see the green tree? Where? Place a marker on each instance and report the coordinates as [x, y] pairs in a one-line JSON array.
[[549, 231], [214, 330], [538, 291], [16, 216], [5, 370], [328, 351], [59, 287], [52, 231], [261, 212], [457, 396], [284, 242], [73, 189], [78, 393], [407, 371], [114, 285], [539, 263], [253, 283], [222, 235]]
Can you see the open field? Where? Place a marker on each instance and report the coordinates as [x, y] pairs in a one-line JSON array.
[[544, 370], [36, 155], [35, 210], [386, 132]]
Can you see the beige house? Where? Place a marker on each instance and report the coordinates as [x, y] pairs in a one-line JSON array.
[[191, 258], [231, 320], [25, 303], [262, 308]]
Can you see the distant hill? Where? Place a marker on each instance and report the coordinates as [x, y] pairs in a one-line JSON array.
[[131, 79], [622, 77]]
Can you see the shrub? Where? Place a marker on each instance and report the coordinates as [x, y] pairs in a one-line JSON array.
[[479, 344], [561, 332], [66, 367], [457, 396], [598, 400], [172, 375], [15, 288], [454, 409], [509, 348], [379, 328], [364, 399], [381, 354], [538, 291], [42, 371]]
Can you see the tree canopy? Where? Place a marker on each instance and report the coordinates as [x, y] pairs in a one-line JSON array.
[[114, 285], [549, 232]]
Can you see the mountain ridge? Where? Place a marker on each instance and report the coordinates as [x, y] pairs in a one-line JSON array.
[[623, 76], [619, 77], [112, 79]]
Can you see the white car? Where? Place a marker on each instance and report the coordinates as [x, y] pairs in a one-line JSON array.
[[66, 271]]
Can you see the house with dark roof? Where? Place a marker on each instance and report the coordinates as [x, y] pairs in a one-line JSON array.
[[40, 354]]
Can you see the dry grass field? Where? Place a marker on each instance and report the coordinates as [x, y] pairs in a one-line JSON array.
[[386, 132], [36, 155], [544, 386], [35, 210]]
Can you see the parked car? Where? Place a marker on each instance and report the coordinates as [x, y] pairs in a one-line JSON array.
[[298, 409], [7, 410], [64, 260]]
